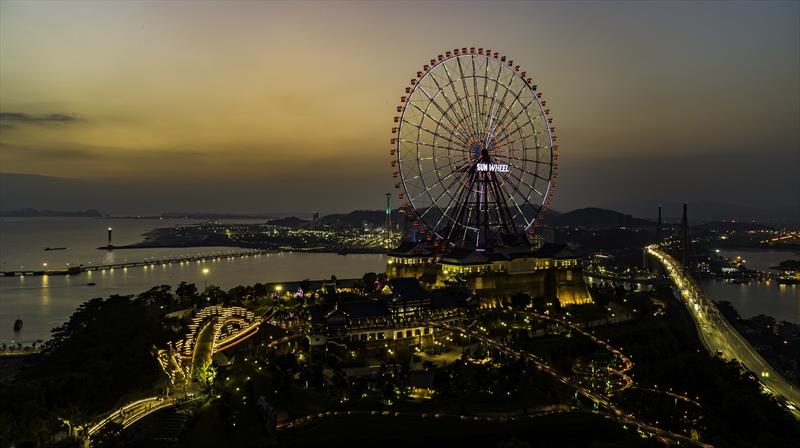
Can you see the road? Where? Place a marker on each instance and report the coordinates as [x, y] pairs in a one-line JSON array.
[[615, 411], [719, 336]]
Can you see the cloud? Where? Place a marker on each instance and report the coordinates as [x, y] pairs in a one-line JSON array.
[[11, 119], [39, 152]]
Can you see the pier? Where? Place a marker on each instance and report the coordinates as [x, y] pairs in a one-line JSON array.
[[72, 270]]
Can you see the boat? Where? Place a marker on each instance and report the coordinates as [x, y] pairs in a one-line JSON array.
[[91, 284], [18, 325], [739, 281], [55, 248]]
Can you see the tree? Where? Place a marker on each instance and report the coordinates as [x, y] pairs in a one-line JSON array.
[[539, 304], [520, 300], [369, 281], [187, 294]]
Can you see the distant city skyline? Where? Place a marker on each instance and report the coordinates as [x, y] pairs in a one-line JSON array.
[[274, 107]]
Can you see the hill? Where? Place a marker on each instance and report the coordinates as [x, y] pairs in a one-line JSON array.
[[34, 213], [595, 217]]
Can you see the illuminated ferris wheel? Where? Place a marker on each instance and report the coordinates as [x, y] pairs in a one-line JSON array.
[[474, 150]]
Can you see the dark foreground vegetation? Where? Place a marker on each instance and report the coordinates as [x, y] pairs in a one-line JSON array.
[[102, 357]]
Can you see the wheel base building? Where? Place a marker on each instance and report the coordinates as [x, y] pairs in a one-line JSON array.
[[552, 271]]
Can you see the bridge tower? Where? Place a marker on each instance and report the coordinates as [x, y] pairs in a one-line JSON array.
[[388, 242], [659, 228], [684, 239]]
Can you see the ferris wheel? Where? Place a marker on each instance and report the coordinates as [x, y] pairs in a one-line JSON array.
[[474, 150]]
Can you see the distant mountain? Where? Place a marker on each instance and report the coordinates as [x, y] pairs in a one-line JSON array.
[[202, 215], [595, 217], [359, 217], [34, 213], [290, 221]]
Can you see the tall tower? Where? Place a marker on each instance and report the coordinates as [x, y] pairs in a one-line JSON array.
[[388, 220], [684, 239], [659, 228]]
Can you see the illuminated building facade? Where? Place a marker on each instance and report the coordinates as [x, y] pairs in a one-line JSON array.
[[551, 270], [400, 312]]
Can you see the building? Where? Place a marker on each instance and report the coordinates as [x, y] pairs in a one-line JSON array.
[[402, 311], [549, 270]]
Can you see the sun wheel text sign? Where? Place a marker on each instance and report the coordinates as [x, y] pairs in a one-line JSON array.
[[500, 168]]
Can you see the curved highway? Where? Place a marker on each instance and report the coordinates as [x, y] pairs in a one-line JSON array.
[[720, 338]]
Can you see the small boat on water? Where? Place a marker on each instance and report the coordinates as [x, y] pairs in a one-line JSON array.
[[739, 281], [91, 284], [55, 248], [18, 325]]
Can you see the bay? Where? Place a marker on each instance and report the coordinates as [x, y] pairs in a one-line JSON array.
[[44, 302]]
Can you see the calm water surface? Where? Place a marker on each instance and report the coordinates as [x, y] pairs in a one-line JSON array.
[[44, 302], [779, 301]]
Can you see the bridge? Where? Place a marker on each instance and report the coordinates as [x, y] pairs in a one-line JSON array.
[[213, 329], [719, 337], [72, 270]]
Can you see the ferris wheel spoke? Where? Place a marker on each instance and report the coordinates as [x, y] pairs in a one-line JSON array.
[[479, 112], [490, 115], [449, 203], [524, 123], [421, 175], [502, 102], [472, 114], [510, 106], [521, 159], [501, 203], [506, 142], [532, 187], [456, 138], [464, 113], [423, 128], [525, 197], [442, 111], [524, 171], [461, 204], [450, 105], [483, 99], [433, 145], [515, 187]]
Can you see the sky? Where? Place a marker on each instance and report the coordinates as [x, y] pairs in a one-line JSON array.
[[288, 107]]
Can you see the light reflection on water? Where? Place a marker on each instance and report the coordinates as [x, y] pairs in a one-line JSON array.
[[45, 302]]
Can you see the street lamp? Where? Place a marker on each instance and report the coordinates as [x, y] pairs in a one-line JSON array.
[[205, 278]]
